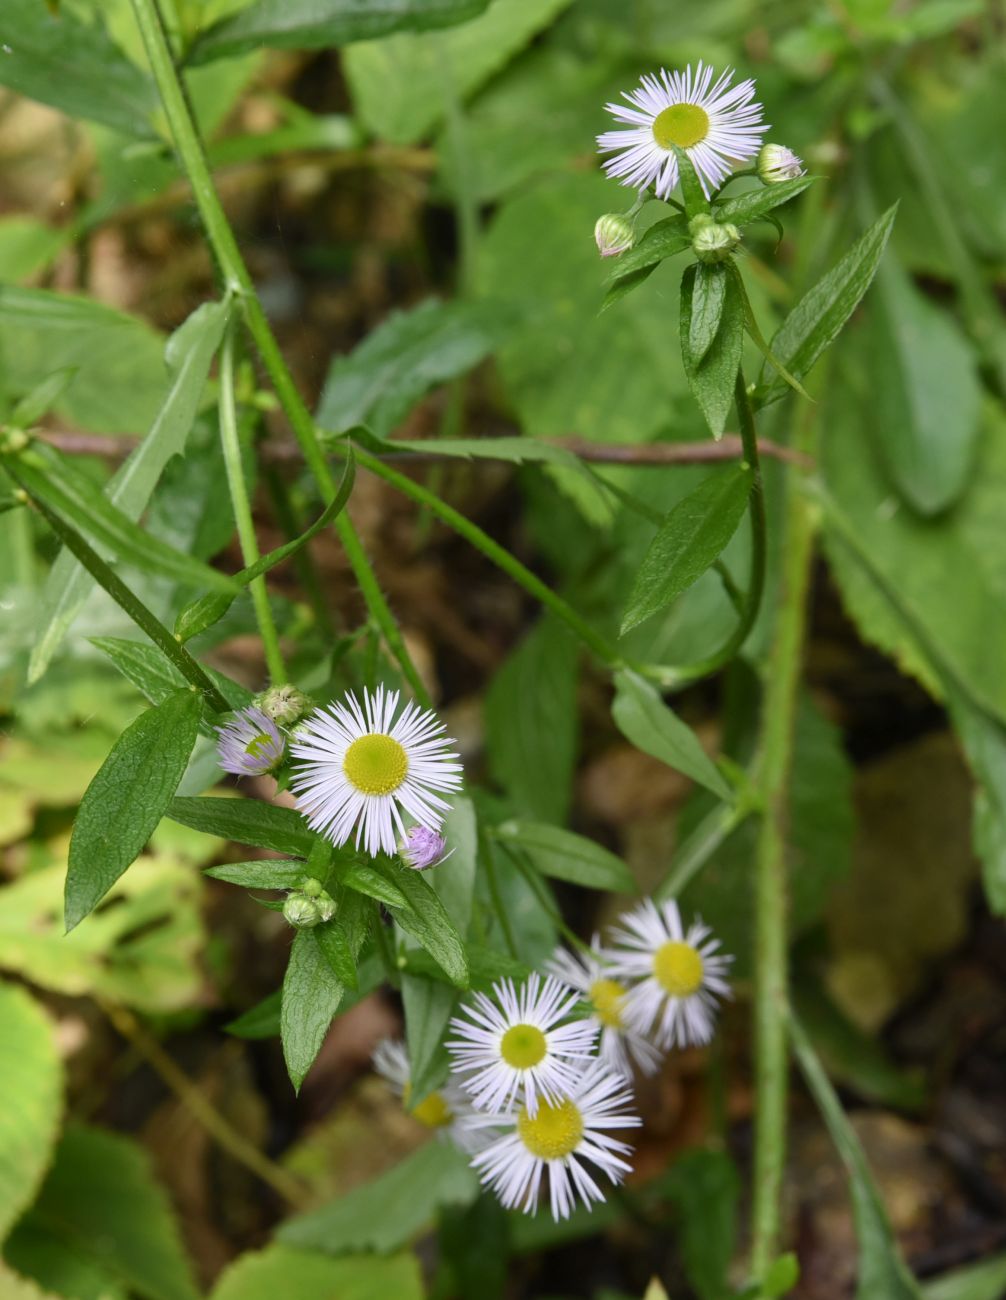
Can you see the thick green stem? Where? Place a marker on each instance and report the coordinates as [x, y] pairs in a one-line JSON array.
[[231, 445], [238, 281], [782, 683], [143, 617]]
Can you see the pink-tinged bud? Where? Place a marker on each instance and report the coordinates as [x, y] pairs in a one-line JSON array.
[[776, 163], [613, 234], [423, 848]]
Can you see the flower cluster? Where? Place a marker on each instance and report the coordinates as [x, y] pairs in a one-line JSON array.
[[541, 1073]]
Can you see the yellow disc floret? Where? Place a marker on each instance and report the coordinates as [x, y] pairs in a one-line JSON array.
[[433, 1111], [523, 1046], [682, 125], [554, 1132], [607, 997], [375, 764], [678, 968]]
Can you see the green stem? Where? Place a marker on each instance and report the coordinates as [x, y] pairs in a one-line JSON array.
[[231, 445], [239, 282], [756, 583], [143, 617], [699, 847], [782, 681]]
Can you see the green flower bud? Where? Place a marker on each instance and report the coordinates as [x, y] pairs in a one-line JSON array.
[[325, 904], [313, 888], [613, 234], [284, 704], [301, 912], [776, 163], [712, 241]]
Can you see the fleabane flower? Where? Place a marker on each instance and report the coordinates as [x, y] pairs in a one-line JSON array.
[[716, 124], [250, 744], [445, 1111], [515, 1047], [680, 975], [619, 1045], [361, 768], [421, 848], [776, 164], [563, 1137]]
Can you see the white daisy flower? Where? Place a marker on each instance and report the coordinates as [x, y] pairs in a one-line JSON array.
[[619, 1046], [681, 975], [516, 1046], [716, 125], [362, 768], [446, 1111], [562, 1137]]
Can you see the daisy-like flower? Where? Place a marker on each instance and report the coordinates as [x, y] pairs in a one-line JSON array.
[[680, 974], [717, 126], [361, 768], [447, 1111], [562, 1137], [250, 744], [590, 973], [515, 1045]]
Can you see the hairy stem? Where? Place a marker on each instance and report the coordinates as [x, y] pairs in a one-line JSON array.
[[238, 281], [231, 445]]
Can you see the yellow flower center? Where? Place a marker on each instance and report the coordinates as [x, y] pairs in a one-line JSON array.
[[523, 1046], [607, 997], [678, 968], [432, 1111], [375, 764], [258, 745], [682, 125], [554, 1132]]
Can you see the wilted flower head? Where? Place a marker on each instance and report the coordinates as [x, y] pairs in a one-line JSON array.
[[422, 848], [776, 163], [715, 124], [613, 234], [361, 768], [250, 744]]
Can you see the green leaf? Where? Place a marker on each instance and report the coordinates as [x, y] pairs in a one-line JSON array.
[[711, 376], [744, 208], [820, 314], [408, 354], [101, 1208], [388, 1212], [397, 84], [567, 856], [318, 24], [73, 66], [29, 1117], [342, 938], [259, 1021], [882, 1271], [532, 727], [311, 997], [454, 880], [141, 948], [983, 1281], [28, 245], [209, 609], [246, 821], [704, 1188], [263, 873], [35, 404], [692, 193], [694, 533], [280, 1271], [664, 239], [52, 479], [188, 356], [709, 295], [427, 921], [428, 1004], [782, 1276], [984, 740], [372, 883], [642, 717], [925, 407], [157, 677], [122, 806]]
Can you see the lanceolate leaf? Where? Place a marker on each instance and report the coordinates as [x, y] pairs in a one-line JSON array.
[[708, 299], [147, 668], [52, 56], [691, 187], [122, 806], [426, 920], [311, 996], [246, 821], [755, 203], [264, 873], [318, 24], [819, 315], [642, 717], [686, 544], [664, 239], [282, 1273], [29, 1116], [711, 376], [566, 856]]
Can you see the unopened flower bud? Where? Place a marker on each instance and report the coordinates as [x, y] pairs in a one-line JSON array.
[[284, 704], [423, 848], [301, 912], [776, 163], [712, 241], [613, 234]]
